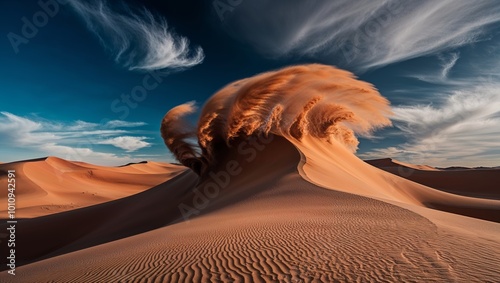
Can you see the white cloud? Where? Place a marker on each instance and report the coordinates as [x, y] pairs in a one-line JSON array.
[[463, 130], [82, 125], [365, 33], [448, 64], [139, 40], [128, 143], [441, 76], [24, 131], [123, 124], [72, 141]]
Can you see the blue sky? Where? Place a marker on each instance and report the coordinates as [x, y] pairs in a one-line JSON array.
[[91, 80]]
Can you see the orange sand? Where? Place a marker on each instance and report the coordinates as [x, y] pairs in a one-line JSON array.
[[275, 194], [267, 225]]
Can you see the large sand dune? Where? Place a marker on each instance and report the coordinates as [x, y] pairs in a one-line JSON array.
[[275, 194], [267, 225]]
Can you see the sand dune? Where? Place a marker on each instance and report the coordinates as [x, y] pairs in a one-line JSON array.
[[51, 185], [275, 194], [474, 182], [391, 163], [267, 225], [352, 175]]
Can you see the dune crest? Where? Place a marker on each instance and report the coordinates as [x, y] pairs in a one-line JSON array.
[[51, 185], [392, 163]]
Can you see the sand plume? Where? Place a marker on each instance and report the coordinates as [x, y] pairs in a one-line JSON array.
[[176, 132], [316, 100]]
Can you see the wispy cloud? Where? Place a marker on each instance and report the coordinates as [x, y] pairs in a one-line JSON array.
[[123, 124], [75, 141], [462, 130], [128, 143], [448, 64], [138, 40], [441, 74], [364, 34]]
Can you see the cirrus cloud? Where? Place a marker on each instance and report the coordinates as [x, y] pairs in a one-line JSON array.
[[128, 143], [461, 130], [78, 140], [364, 34], [138, 40]]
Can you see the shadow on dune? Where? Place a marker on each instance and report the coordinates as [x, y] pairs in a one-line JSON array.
[[182, 198]]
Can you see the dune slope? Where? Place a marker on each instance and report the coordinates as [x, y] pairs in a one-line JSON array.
[[474, 182], [270, 225], [50, 185]]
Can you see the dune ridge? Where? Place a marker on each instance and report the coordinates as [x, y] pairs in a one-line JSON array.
[[390, 163], [270, 225], [50, 185], [472, 182]]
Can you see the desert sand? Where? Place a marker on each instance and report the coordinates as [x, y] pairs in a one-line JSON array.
[[475, 182], [50, 185], [269, 198]]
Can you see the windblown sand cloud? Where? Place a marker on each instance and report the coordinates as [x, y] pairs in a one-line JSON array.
[[177, 132], [364, 34], [138, 40], [314, 100]]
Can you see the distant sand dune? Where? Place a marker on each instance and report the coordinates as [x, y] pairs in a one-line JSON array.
[[52, 185], [393, 163], [481, 182]]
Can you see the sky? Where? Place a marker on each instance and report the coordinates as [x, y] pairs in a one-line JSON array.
[[91, 80]]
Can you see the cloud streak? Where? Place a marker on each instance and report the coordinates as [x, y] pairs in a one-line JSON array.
[[363, 34], [128, 143], [463, 130], [73, 141], [138, 40], [448, 64]]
